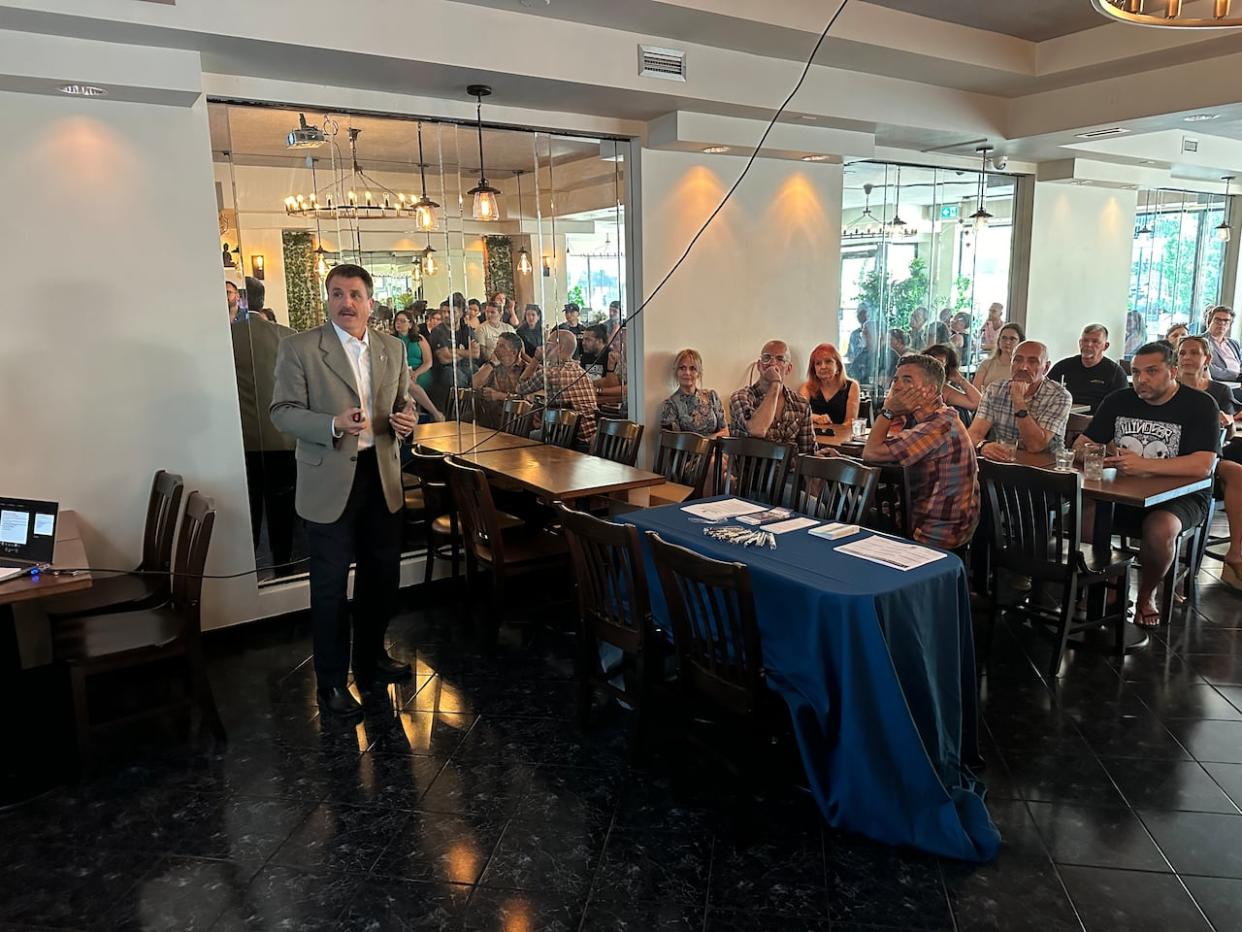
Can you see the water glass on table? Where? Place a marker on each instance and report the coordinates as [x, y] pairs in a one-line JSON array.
[[1065, 459], [1093, 461], [858, 429]]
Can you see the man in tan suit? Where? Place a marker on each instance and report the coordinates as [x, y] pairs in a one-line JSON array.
[[342, 391]]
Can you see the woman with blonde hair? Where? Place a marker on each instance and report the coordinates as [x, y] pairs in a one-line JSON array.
[[833, 397], [692, 408], [999, 365]]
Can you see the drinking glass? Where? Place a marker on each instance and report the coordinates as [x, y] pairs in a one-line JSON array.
[[858, 429], [1011, 446], [1065, 459], [1093, 461]]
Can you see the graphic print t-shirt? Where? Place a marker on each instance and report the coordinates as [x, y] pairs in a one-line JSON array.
[[1189, 422]]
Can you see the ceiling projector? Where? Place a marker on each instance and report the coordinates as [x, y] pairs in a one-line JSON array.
[[305, 136]]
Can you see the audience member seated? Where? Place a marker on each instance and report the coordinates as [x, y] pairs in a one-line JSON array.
[[958, 391], [692, 408], [531, 328], [489, 331], [1090, 376], [602, 363], [768, 409], [938, 334], [573, 324], [918, 431], [1193, 356], [1000, 363], [1136, 333], [1176, 333], [1158, 428], [418, 355], [497, 379], [855, 344], [959, 335], [1226, 365], [872, 363], [474, 314], [834, 398], [918, 327], [567, 386], [454, 351], [1026, 409], [898, 342]]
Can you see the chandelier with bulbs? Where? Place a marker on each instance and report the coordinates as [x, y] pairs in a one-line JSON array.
[[1173, 14], [360, 197]]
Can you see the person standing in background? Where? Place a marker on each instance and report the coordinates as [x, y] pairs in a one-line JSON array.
[[342, 390], [992, 327]]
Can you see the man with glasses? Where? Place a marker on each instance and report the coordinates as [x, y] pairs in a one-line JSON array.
[[769, 410], [1226, 365], [1090, 376]]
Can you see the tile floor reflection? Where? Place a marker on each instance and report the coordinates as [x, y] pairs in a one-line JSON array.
[[471, 801]]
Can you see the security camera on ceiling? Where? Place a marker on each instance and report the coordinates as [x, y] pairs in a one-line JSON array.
[[1000, 162]]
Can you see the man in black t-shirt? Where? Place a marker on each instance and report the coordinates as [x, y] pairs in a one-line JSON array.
[[454, 351], [1158, 428], [596, 357], [573, 324], [1090, 376]]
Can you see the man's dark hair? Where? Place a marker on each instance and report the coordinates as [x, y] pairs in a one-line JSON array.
[[514, 341], [1161, 348], [348, 270], [599, 331], [898, 334], [945, 350], [572, 308], [612, 304], [932, 368], [255, 292], [458, 299], [475, 302], [1220, 309]]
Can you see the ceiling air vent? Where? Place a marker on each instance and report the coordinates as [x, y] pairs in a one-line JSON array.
[[1102, 133], [666, 64], [1190, 145]]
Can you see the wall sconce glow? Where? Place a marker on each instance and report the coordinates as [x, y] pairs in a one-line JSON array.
[[83, 90], [1167, 14], [257, 265], [716, 150], [523, 263]]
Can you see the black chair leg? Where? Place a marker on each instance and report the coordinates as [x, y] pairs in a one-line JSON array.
[[81, 717], [431, 554], [204, 699], [1120, 588], [1069, 598]]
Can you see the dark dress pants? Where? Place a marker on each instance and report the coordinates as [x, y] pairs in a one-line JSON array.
[[369, 535]]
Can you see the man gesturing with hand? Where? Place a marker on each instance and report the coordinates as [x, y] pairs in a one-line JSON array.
[[343, 391], [1026, 410]]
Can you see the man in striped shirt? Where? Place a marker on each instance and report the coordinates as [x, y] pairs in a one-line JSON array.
[[916, 430]]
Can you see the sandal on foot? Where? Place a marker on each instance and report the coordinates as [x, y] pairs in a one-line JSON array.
[[1231, 577], [1147, 619]]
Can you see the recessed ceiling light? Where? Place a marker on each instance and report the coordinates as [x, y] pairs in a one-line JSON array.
[[808, 117], [816, 158], [534, 4], [1101, 133], [83, 90], [1200, 117], [716, 150], [1147, 162]]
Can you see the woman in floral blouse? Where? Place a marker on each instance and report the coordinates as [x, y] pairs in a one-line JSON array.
[[692, 408]]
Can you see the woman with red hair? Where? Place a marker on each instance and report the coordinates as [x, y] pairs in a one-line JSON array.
[[833, 397]]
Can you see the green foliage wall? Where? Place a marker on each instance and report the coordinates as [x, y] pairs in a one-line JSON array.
[[302, 287], [498, 271]]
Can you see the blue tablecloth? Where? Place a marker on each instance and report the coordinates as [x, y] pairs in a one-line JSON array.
[[877, 668]]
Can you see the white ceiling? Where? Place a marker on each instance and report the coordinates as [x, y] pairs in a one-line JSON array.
[[1033, 20], [919, 185]]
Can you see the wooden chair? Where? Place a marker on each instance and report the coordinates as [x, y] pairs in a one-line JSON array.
[[149, 586], [720, 673], [437, 517], [463, 404], [91, 645], [559, 427], [515, 417], [617, 440], [1036, 532], [684, 458], [613, 608], [1077, 424], [834, 488], [750, 467], [487, 545], [890, 506]]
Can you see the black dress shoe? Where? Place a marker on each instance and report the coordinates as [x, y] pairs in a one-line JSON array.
[[388, 670], [338, 701]]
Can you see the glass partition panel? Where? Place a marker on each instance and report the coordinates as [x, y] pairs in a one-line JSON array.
[[348, 188], [918, 268]]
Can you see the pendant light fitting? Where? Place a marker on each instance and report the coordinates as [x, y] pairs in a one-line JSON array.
[[1224, 232], [981, 218], [424, 207], [485, 209]]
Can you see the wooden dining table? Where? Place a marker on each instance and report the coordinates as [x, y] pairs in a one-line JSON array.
[[472, 439], [553, 472], [30, 698]]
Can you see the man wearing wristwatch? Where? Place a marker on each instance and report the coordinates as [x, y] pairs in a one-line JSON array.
[[1027, 409], [918, 431]]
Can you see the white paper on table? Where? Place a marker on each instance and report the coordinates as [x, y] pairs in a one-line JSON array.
[[889, 552], [793, 524], [13, 527], [729, 508], [8, 572]]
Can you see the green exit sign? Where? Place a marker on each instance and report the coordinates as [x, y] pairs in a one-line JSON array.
[[948, 211]]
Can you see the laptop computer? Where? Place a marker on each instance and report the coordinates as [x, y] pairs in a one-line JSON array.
[[27, 531]]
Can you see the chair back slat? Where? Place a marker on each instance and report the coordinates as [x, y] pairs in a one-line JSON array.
[[480, 526], [711, 609], [1035, 518], [617, 440], [612, 585], [191, 559], [433, 480], [750, 467], [161, 524], [515, 417], [463, 405], [559, 427], [684, 458], [834, 488]]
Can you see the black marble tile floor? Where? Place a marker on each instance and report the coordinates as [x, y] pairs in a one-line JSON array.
[[471, 801]]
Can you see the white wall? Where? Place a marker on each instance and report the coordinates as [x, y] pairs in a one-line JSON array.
[[767, 268], [1081, 242], [116, 359]]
